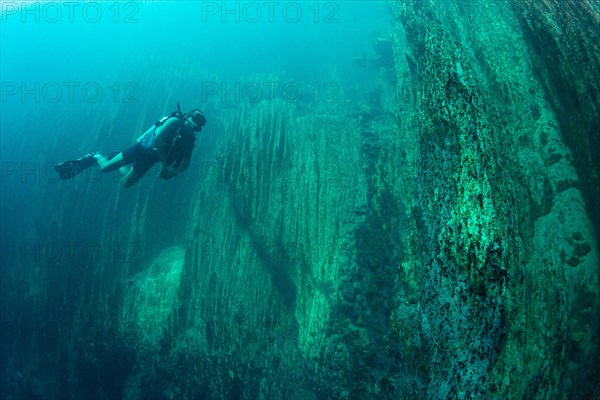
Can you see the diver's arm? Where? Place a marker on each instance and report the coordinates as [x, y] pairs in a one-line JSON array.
[[183, 166], [185, 162], [161, 140]]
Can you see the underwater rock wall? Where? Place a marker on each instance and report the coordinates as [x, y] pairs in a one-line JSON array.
[[434, 240], [269, 231], [510, 247], [562, 39]]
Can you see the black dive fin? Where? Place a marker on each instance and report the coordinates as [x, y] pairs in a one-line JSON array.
[[69, 169]]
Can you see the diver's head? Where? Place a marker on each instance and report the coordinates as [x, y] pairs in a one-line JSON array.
[[197, 118]]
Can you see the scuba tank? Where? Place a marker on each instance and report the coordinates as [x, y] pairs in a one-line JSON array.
[[147, 138]]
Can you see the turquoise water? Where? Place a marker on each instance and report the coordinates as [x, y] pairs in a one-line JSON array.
[[389, 200]]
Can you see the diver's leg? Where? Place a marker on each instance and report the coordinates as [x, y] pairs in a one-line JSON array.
[[139, 169], [124, 170], [116, 160], [131, 178], [107, 165]]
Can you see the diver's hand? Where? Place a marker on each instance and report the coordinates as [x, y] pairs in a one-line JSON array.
[[167, 173]]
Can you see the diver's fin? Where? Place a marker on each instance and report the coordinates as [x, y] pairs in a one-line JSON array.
[[69, 169]]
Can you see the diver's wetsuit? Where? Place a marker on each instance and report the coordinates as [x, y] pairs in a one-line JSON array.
[[141, 157], [143, 154]]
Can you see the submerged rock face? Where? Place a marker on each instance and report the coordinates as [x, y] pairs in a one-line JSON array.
[[435, 240], [500, 197]]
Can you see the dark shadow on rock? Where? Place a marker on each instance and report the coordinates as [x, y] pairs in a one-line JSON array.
[[278, 265]]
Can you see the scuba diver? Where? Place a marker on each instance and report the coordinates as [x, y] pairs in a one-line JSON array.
[[169, 141]]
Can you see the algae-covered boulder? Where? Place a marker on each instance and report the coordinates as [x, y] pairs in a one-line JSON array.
[[150, 299]]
